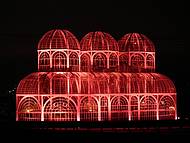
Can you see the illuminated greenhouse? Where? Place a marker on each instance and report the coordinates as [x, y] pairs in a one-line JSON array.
[[98, 79]]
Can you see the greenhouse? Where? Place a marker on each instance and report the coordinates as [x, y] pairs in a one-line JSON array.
[[96, 79]]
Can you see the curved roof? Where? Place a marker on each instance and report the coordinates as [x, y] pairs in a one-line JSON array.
[[39, 83], [98, 41], [135, 42], [58, 39]]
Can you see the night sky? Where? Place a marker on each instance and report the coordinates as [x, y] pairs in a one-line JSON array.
[[164, 22]]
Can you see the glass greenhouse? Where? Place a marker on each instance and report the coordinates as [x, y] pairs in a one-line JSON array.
[[98, 79]]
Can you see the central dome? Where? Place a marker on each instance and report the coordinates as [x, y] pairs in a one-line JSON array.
[[58, 39], [98, 41]]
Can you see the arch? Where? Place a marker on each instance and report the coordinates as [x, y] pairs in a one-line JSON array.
[[148, 108], [150, 61], [167, 108], [29, 109], [59, 84], [74, 84], [94, 85], [88, 109], [137, 62], [104, 108], [123, 63], [134, 108], [119, 108], [85, 86], [113, 62], [103, 84], [73, 62], [59, 61], [113, 84], [99, 62], [44, 61], [123, 83], [60, 109], [85, 63]]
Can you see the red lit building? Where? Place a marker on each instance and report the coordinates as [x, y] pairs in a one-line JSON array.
[[98, 79]]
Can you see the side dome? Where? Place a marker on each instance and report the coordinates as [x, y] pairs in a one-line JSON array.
[[58, 39], [135, 42], [30, 84], [98, 41]]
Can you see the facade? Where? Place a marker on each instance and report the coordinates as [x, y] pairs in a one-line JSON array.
[[98, 79]]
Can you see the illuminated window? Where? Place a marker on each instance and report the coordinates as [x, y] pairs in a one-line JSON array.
[[59, 61], [113, 61], [166, 108], [137, 61], [100, 62], [134, 108], [73, 62], [119, 108], [150, 61], [44, 61], [148, 108], [60, 109], [88, 109], [85, 63], [123, 63]]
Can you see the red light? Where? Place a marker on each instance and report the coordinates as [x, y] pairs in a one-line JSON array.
[[99, 79]]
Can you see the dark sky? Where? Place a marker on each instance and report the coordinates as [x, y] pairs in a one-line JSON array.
[[165, 22]]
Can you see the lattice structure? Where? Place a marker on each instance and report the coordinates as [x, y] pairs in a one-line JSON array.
[[98, 79]]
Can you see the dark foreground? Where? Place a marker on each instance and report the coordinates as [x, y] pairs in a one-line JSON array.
[[97, 132]]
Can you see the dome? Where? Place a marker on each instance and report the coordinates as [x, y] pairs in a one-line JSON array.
[[98, 41], [99, 83], [135, 42], [58, 39]]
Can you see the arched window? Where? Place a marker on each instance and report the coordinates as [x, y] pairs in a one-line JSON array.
[[44, 61], [167, 108], [113, 61], [29, 110], [99, 62], [119, 108], [148, 108], [123, 63], [104, 108], [59, 61], [134, 108], [88, 109], [60, 109], [137, 62], [73, 62], [85, 63], [150, 61]]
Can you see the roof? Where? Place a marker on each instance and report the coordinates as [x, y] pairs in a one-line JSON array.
[[135, 42], [99, 83], [98, 41], [58, 39]]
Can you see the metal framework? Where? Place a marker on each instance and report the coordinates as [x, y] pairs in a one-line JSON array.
[[98, 79]]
